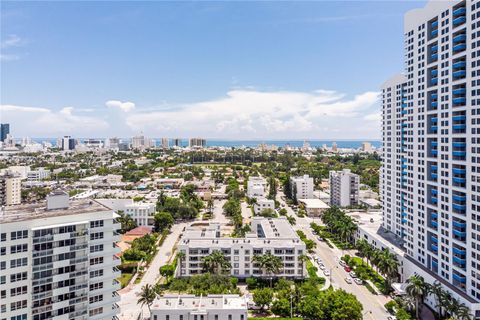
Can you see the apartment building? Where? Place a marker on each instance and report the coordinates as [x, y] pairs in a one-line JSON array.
[[269, 235], [142, 212], [302, 187], [256, 187], [10, 190], [38, 174], [344, 188], [190, 307], [432, 122], [57, 260], [263, 204], [197, 143]]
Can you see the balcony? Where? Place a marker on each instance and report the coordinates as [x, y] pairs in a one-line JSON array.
[[459, 128], [459, 208], [460, 101], [459, 198], [459, 181], [459, 12], [459, 118], [459, 65], [458, 74], [434, 224], [459, 278], [459, 21], [459, 224], [459, 171], [459, 144], [459, 251], [434, 214], [460, 38], [434, 248], [459, 155], [459, 261], [459, 47], [459, 234]]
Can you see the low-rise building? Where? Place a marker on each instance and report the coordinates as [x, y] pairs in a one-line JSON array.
[[190, 307], [142, 212], [263, 204], [344, 188], [269, 235], [256, 187], [38, 174], [314, 207]]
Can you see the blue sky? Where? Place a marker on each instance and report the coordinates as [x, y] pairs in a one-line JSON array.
[[231, 70]]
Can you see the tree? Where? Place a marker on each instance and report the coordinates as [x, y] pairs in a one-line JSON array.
[[263, 297], [388, 265], [126, 222], [232, 207], [402, 314], [272, 190], [436, 290], [281, 307], [163, 221], [167, 270], [343, 306], [216, 263], [210, 205], [180, 256], [268, 213], [417, 289], [147, 296], [269, 264]]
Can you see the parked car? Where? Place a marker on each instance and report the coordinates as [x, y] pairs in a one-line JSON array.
[[326, 272], [347, 268], [353, 274], [392, 318], [348, 280], [321, 266], [358, 281], [342, 263], [320, 238]]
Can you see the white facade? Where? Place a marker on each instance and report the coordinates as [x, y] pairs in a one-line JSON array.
[[165, 143], [58, 264], [269, 235], [263, 204], [19, 171], [142, 212], [256, 187], [190, 307], [344, 187], [437, 194], [197, 143], [141, 142], [38, 174], [303, 186]]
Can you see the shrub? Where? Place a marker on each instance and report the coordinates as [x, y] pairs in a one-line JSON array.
[[251, 282], [391, 306]]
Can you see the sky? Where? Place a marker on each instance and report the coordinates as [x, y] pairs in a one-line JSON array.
[[223, 70]]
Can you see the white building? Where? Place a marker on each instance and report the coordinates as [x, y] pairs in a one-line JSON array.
[[344, 187], [366, 147], [142, 212], [19, 171], [433, 153], [256, 187], [38, 174], [269, 235], [314, 207], [68, 143], [302, 186], [10, 190], [197, 143], [57, 260], [141, 142], [263, 204], [190, 307]]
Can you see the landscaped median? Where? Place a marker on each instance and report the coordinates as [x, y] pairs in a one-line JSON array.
[[366, 273]]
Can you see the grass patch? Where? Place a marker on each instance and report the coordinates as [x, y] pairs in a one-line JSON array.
[[124, 279]]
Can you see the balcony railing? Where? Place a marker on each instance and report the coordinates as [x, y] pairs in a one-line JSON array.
[[459, 12], [458, 21], [459, 171], [458, 74], [459, 47], [459, 118], [459, 278]]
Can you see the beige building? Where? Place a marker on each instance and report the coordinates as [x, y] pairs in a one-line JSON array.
[[10, 190]]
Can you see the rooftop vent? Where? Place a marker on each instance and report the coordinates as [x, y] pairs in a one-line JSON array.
[[57, 199]]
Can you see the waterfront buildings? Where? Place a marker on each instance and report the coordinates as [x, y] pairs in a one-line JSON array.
[[10, 190], [177, 142], [431, 126], [4, 131], [190, 307], [344, 188], [256, 187], [302, 187], [68, 143], [269, 235], [165, 143], [197, 143], [141, 142], [57, 260]]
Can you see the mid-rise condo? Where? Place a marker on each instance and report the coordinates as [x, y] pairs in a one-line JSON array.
[[344, 188], [302, 187]]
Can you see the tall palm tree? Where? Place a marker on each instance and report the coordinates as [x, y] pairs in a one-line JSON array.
[[436, 290], [303, 258], [362, 246], [462, 313], [388, 266], [216, 263], [210, 205], [180, 256], [269, 264], [147, 296], [417, 288]]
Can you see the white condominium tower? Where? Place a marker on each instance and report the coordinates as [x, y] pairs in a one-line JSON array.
[[431, 135], [344, 188], [57, 260]]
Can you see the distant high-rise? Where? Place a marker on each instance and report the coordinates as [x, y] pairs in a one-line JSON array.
[[4, 131], [141, 142], [197, 143], [165, 143], [10, 190], [334, 147], [177, 142], [68, 143], [431, 139]]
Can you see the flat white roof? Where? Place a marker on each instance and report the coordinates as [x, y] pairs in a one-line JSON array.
[[191, 302], [314, 203]]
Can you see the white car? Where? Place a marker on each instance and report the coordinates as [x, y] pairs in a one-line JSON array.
[[342, 263], [326, 272], [358, 281], [348, 280], [321, 266], [353, 274]]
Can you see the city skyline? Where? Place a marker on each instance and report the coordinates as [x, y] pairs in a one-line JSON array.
[[194, 79]]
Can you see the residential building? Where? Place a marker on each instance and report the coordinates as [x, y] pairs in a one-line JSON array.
[[302, 187], [4, 131], [38, 174], [256, 187], [344, 188], [269, 235], [177, 142], [114, 143], [190, 307], [19, 171], [57, 260], [10, 190], [334, 147], [141, 142], [68, 143], [313, 207], [436, 150], [197, 143], [366, 147], [263, 204], [165, 143], [142, 212]]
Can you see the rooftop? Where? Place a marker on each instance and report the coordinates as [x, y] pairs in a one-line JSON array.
[[24, 212], [314, 203], [191, 302]]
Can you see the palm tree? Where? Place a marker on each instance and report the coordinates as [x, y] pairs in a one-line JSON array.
[[362, 246], [180, 256], [417, 288], [457, 310], [269, 264], [210, 205], [216, 263], [147, 296], [388, 266], [436, 290], [303, 258]]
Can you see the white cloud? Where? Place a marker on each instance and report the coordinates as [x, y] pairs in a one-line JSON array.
[[257, 114], [42, 122], [124, 106], [377, 116], [12, 40]]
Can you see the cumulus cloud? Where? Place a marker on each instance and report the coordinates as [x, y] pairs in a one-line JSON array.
[[256, 114], [43, 122], [10, 41], [124, 106]]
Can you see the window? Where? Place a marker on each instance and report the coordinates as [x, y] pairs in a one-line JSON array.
[[3, 294], [97, 260], [3, 237], [3, 265], [96, 273], [96, 248], [3, 251], [18, 305], [96, 235], [96, 286], [19, 234], [18, 291], [95, 311], [96, 224], [95, 299], [19, 248], [20, 262]]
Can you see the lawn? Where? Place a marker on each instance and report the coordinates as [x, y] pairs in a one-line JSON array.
[[124, 279]]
